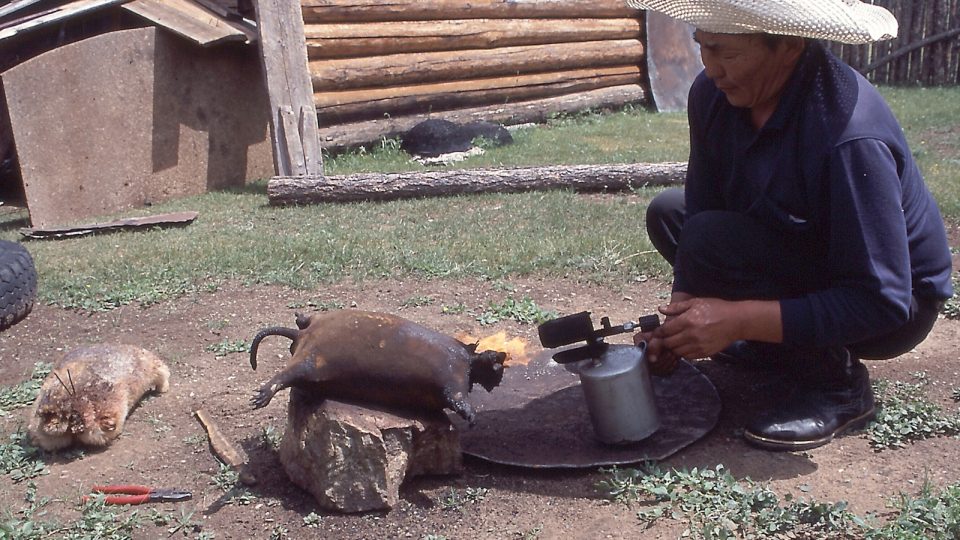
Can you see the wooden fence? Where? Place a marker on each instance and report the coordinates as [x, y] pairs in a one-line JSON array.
[[927, 51], [378, 67]]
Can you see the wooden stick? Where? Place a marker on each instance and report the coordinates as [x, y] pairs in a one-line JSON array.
[[224, 450]]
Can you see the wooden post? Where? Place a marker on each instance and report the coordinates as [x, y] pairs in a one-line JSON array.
[[293, 119]]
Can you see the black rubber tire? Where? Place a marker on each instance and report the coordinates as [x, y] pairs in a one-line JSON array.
[[18, 283]]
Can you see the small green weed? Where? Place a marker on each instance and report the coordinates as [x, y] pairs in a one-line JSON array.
[[905, 415], [101, 522], [417, 301], [242, 497], [930, 516], [717, 506], [317, 305], [279, 532], [217, 326], [455, 309], [20, 459], [160, 426], [524, 311], [183, 523], [531, 534], [196, 441], [271, 436], [226, 478], [27, 523], [23, 394], [227, 346], [455, 500], [312, 520], [951, 308]]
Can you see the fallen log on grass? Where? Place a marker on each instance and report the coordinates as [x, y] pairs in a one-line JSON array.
[[282, 190]]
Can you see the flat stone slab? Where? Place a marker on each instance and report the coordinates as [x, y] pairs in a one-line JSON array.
[[538, 418]]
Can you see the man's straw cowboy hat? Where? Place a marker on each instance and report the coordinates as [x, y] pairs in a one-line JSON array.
[[846, 21]]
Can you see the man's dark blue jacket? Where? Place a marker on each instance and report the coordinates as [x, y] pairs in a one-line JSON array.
[[831, 172]]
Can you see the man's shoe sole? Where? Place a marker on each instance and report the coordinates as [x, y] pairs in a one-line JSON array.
[[780, 445]]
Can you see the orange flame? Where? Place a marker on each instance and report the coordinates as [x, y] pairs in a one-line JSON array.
[[516, 348]]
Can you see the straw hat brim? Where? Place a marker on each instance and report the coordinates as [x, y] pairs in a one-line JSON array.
[[845, 21]]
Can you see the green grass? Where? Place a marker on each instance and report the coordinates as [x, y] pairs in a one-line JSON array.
[[929, 117], [905, 415], [24, 393], [628, 136], [239, 237], [714, 505]]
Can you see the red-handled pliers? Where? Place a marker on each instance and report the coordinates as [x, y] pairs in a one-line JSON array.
[[139, 494]]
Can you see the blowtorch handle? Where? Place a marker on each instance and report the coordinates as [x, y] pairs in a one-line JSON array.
[[649, 323]]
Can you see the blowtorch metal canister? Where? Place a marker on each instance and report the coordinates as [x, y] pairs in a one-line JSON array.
[[619, 395]]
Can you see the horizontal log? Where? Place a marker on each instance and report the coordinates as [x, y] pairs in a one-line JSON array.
[[394, 37], [354, 105], [334, 11], [348, 135], [416, 68], [283, 190]]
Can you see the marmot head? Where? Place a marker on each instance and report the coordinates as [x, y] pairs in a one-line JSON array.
[[486, 369]]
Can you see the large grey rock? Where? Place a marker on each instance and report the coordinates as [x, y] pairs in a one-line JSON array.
[[354, 459]]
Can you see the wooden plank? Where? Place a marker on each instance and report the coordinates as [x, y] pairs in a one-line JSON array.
[[189, 20], [415, 68], [15, 6], [375, 102], [284, 55], [294, 159], [394, 37], [133, 117], [65, 12], [173, 219], [358, 133], [326, 11]]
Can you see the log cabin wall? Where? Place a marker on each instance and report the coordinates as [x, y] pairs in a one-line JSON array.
[[378, 68]]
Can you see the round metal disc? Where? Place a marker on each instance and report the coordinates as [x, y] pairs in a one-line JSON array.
[[538, 418]]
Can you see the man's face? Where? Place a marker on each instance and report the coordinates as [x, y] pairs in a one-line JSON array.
[[749, 72]]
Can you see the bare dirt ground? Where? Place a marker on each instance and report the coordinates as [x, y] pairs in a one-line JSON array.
[[164, 445]]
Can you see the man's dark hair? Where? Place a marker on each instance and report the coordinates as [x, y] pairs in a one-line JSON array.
[[773, 40]]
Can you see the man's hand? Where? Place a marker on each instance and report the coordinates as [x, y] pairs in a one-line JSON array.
[[699, 327], [660, 360]]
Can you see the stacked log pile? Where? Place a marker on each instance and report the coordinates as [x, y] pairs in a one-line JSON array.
[[378, 68]]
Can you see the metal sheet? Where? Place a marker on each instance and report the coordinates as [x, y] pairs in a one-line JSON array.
[[673, 61], [538, 418]]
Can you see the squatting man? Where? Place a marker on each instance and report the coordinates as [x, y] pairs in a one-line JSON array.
[[804, 239]]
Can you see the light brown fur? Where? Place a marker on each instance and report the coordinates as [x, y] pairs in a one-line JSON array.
[[98, 385]]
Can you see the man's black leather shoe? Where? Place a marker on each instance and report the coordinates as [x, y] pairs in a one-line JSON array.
[[816, 412]]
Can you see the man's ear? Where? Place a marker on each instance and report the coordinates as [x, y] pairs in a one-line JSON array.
[[794, 46]]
